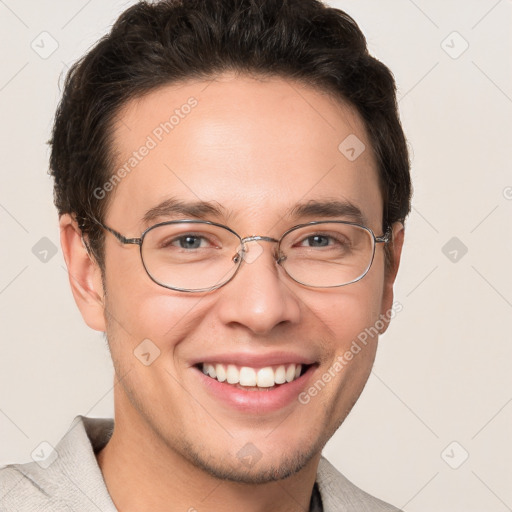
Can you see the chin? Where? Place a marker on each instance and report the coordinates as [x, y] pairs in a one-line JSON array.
[[250, 465]]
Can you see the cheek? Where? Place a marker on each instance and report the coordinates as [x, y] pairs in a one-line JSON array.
[[351, 317], [155, 314], [140, 309], [348, 313]]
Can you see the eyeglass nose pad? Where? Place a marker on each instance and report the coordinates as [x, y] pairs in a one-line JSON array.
[[240, 255]]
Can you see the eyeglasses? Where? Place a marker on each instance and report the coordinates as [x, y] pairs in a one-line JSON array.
[[199, 256]]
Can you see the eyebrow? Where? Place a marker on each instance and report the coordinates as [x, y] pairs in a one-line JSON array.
[[330, 208], [204, 210], [172, 206]]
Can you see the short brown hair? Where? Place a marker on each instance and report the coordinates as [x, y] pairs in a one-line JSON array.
[[151, 45]]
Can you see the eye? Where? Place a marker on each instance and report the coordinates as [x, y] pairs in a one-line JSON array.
[[324, 240], [187, 241], [318, 240]]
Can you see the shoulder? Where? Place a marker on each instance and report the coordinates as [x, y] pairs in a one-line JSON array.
[[340, 494], [65, 478], [25, 488]]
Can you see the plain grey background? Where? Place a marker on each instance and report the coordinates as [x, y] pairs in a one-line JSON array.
[[432, 429]]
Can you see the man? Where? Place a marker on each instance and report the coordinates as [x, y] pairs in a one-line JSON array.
[[253, 152]]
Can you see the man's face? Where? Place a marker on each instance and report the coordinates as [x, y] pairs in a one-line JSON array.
[[257, 149]]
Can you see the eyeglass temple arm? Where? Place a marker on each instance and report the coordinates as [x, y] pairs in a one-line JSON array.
[[385, 238], [121, 238]]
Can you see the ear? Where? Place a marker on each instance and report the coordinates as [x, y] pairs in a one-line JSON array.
[[84, 274], [397, 242]]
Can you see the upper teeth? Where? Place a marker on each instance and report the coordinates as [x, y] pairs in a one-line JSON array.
[[245, 376]]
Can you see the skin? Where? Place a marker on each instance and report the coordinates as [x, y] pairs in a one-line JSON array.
[[257, 147]]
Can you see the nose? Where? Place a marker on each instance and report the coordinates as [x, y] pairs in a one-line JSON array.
[[260, 296]]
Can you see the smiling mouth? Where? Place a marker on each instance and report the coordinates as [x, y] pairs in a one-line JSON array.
[[254, 379]]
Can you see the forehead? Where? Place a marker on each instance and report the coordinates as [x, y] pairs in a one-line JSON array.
[[255, 147]]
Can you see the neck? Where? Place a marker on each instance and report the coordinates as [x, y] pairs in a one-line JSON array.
[[142, 472]]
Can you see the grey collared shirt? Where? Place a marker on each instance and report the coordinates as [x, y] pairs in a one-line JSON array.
[[69, 479]]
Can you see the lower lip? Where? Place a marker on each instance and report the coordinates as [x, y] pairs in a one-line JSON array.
[[254, 401]]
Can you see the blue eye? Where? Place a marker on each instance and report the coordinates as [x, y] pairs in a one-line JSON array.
[[318, 240], [188, 241], [185, 241]]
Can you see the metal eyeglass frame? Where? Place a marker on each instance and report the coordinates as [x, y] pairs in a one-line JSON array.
[[385, 238]]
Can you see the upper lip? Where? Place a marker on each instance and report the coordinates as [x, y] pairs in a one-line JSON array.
[[255, 360]]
